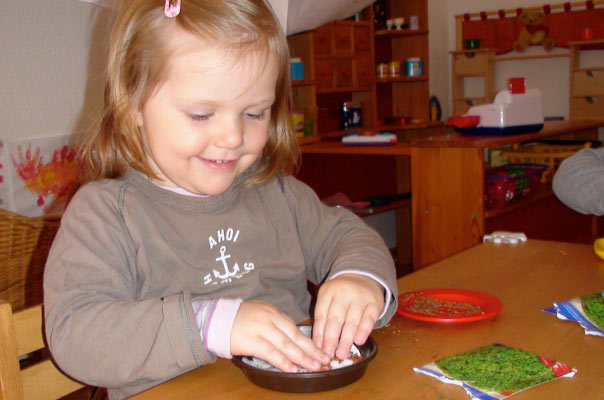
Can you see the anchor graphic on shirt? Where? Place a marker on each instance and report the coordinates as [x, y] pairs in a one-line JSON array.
[[227, 274]]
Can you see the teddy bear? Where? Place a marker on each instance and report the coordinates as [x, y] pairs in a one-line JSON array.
[[533, 32]]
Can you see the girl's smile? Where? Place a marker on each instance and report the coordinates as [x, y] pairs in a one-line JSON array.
[[218, 164], [208, 122]]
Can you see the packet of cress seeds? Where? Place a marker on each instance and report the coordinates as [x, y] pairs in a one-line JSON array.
[[496, 371], [587, 311]]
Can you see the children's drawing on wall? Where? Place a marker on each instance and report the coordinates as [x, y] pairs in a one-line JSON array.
[[44, 172]]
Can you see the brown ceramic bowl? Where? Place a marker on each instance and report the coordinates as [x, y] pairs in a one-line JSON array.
[[308, 382]]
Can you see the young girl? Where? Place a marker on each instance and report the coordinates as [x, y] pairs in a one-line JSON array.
[[191, 242]]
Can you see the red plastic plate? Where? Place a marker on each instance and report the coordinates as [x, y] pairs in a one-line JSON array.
[[491, 306]]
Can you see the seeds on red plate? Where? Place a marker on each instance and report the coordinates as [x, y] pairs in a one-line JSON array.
[[440, 308]]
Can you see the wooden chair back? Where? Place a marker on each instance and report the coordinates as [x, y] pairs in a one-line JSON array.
[[21, 333]]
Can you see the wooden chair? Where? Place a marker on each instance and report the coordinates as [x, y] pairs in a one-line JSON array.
[[22, 333]]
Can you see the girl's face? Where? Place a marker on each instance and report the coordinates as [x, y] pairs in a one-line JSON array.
[[209, 120]]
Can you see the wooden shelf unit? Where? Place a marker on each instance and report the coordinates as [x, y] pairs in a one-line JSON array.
[[586, 97], [402, 79], [401, 32], [340, 61], [465, 64], [586, 83], [404, 97]]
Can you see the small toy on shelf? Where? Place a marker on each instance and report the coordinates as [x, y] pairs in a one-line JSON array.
[[514, 111], [587, 33], [435, 109], [505, 237], [533, 32]]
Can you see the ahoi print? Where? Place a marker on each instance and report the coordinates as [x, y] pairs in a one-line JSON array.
[[225, 273]]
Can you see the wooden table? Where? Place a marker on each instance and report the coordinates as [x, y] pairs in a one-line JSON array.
[[527, 277]]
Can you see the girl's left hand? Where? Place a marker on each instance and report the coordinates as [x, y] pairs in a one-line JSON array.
[[347, 308]]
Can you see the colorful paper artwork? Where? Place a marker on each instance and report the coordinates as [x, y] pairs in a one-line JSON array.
[[42, 174]]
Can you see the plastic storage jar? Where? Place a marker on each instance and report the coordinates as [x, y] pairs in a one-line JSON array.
[[413, 67], [296, 69]]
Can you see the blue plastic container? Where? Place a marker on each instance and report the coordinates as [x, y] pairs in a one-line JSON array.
[[413, 67], [296, 68]]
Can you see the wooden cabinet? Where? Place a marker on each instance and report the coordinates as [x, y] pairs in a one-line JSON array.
[[362, 42], [342, 52], [341, 59], [342, 42], [343, 72], [324, 73], [364, 72], [468, 64], [586, 80]]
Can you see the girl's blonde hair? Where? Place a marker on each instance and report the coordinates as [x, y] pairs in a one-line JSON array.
[[139, 51]]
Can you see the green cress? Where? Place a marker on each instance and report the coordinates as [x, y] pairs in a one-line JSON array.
[[593, 306], [498, 368]]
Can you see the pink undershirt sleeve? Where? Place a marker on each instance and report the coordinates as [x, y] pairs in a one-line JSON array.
[[215, 320]]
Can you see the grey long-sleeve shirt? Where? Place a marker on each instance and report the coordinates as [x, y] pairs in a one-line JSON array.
[[130, 256], [579, 181]]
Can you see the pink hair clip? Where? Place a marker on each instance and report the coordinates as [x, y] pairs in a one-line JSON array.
[[172, 10]]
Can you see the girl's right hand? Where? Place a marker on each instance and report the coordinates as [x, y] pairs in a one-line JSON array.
[[262, 331]]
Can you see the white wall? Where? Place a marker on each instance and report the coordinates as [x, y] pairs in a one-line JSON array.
[[50, 66], [440, 69]]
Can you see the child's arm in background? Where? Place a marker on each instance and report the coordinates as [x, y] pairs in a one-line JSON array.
[[579, 181], [336, 241]]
